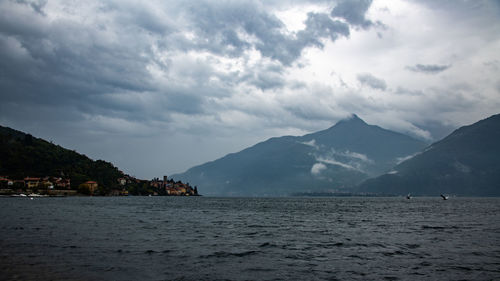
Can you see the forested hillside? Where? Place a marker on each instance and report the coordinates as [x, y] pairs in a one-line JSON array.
[[23, 155]]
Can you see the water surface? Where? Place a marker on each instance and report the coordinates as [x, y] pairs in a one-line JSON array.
[[168, 238]]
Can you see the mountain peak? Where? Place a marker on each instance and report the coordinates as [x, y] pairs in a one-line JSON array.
[[352, 119], [348, 123]]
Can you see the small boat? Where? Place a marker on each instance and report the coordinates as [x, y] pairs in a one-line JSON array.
[[444, 197], [408, 196], [19, 195], [36, 195]]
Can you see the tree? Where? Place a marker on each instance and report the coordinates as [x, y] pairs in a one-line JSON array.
[[84, 189]]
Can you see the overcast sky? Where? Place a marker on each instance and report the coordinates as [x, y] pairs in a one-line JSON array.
[[156, 87]]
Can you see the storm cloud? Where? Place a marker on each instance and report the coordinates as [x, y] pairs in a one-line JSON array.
[[428, 68], [353, 11], [158, 87], [372, 81]]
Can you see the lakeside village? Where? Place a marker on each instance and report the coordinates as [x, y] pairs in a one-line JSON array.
[[127, 185]]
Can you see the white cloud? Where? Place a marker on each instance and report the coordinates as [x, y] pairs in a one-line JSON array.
[[311, 143], [317, 168], [357, 156], [332, 161], [400, 160]]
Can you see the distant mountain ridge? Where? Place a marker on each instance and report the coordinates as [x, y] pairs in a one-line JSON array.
[[336, 158], [467, 163]]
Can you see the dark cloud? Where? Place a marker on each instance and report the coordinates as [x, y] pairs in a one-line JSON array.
[[372, 81], [287, 49], [37, 6], [96, 73], [82, 63], [320, 26], [267, 80], [63, 63], [353, 11], [428, 68], [220, 27], [270, 77]]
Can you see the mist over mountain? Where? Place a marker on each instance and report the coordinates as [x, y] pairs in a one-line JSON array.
[[464, 163], [337, 158]]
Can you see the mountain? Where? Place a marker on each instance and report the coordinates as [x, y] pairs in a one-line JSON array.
[[467, 163], [23, 155], [334, 159]]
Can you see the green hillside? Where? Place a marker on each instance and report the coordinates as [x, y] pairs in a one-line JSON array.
[[23, 155]]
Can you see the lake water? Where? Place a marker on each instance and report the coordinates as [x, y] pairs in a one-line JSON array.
[[174, 238]]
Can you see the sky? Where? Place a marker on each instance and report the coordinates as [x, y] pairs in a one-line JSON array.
[[156, 87]]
